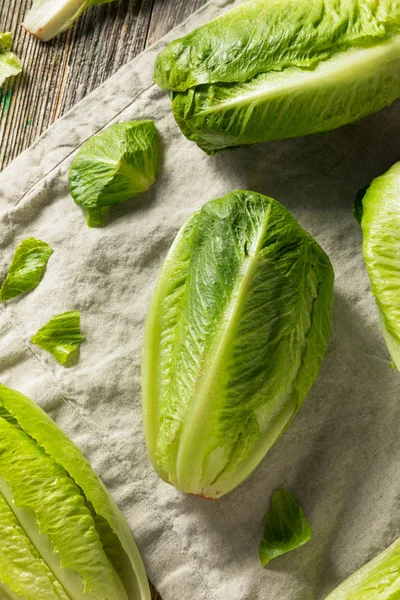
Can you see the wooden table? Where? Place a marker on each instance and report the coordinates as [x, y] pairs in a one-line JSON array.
[[60, 73]]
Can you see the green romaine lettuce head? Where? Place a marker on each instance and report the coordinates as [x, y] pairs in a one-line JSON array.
[[48, 18], [61, 534], [114, 166], [27, 268], [235, 335], [380, 223], [285, 527], [273, 69], [377, 580], [61, 336], [10, 64]]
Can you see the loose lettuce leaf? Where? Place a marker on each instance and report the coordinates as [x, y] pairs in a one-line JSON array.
[[61, 336], [65, 458], [235, 335], [10, 64], [294, 102], [271, 35], [380, 223], [377, 580], [285, 527], [49, 18], [114, 166], [27, 268]]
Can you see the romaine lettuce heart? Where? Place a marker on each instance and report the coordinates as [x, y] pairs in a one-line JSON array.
[[61, 534], [235, 335], [274, 69]]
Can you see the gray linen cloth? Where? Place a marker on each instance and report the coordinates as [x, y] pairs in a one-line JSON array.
[[340, 457]]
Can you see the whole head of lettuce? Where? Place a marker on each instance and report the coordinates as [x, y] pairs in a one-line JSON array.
[[235, 335], [62, 536], [379, 216], [273, 69]]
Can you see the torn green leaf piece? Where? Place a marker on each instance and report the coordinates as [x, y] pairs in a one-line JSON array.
[[61, 336], [10, 64], [27, 268], [113, 167], [285, 527]]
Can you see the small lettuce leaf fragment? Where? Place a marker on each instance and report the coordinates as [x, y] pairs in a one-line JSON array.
[[379, 579], [58, 523], [49, 18], [285, 527], [113, 167], [27, 268], [380, 224], [61, 336], [10, 65], [235, 335]]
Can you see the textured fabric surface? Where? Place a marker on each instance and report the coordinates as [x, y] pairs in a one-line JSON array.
[[340, 457]]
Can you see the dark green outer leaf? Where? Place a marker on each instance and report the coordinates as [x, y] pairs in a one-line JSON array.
[[265, 35], [285, 527], [27, 268], [234, 339]]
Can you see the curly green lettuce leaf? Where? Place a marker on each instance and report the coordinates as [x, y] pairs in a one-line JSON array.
[[380, 223], [61, 508], [235, 335], [379, 579], [61, 336], [261, 36], [10, 65], [114, 166], [285, 527], [49, 18], [27, 268]]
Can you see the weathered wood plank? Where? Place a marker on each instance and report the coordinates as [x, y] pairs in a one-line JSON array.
[[60, 73], [167, 14]]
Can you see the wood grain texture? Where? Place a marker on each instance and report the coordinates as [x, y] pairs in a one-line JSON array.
[[60, 73]]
